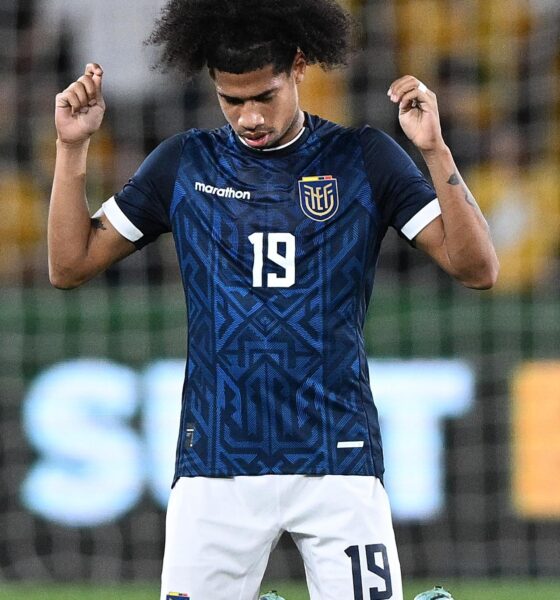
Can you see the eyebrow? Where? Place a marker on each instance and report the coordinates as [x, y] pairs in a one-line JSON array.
[[257, 98]]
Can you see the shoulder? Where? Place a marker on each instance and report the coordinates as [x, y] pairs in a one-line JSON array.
[[182, 139], [376, 140], [381, 151], [336, 137], [176, 142], [167, 154], [169, 150], [193, 141], [218, 135], [371, 138], [323, 128]]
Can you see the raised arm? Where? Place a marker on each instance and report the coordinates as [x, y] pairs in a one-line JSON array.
[[459, 240], [80, 247]]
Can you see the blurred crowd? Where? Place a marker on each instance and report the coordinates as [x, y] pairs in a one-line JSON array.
[[495, 65]]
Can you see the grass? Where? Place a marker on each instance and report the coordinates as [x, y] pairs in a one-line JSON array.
[[521, 589]]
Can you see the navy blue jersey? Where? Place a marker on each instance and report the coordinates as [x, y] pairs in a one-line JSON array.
[[277, 252]]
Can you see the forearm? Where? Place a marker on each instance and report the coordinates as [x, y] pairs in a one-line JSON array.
[[467, 241], [460, 242], [69, 222], [79, 247]]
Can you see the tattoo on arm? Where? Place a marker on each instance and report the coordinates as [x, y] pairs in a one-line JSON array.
[[98, 224], [455, 180]]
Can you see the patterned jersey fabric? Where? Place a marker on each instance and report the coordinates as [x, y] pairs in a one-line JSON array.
[[277, 252]]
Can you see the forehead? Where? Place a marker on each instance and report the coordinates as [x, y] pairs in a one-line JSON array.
[[249, 85]]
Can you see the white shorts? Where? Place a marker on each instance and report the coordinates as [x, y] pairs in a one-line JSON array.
[[220, 533]]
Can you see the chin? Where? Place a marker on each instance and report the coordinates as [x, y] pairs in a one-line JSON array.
[[272, 145]]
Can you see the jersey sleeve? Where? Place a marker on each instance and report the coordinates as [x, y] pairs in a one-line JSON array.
[[140, 211], [405, 199]]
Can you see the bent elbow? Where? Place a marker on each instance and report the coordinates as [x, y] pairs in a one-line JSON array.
[[482, 284], [485, 279], [61, 283], [63, 279]]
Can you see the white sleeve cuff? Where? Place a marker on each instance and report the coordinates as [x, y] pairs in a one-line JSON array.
[[421, 219], [119, 220]]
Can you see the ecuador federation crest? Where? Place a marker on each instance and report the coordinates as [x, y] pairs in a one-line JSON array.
[[318, 197]]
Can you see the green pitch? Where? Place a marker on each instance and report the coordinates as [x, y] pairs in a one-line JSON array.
[[462, 590]]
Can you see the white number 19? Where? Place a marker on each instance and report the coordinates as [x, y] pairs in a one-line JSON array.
[[287, 262]]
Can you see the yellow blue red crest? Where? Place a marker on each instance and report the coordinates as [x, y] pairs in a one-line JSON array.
[[177, 596], [318, 197]]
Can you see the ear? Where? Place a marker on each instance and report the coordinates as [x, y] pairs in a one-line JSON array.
[[299, 66]]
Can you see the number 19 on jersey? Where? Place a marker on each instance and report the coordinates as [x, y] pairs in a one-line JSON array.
[[287, 260]]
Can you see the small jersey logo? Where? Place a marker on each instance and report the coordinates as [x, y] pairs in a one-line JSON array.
[[175, 595], [318, 197], [228, 192]]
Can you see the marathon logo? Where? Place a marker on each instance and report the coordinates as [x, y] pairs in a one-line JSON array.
[[221, 192]]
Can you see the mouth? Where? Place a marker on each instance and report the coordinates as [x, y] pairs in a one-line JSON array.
[[257, 140]]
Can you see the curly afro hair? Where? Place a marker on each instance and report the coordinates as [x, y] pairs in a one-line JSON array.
[[238, 36]]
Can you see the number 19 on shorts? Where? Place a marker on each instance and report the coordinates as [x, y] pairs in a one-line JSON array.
[[287, 260], [377, 563]]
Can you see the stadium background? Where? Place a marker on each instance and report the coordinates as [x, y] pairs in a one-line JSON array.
[[72, 510]]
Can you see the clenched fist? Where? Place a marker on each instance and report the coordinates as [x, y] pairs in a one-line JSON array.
[[418, 113], [80, 107]]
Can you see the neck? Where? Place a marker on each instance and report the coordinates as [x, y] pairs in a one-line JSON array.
[[294, 129]]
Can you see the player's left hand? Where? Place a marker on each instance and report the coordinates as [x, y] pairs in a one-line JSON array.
[[418, 112]]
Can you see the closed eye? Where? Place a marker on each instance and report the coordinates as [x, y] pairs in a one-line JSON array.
[[264, 98], [233, 101]]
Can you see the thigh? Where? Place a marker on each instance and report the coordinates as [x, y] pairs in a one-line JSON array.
[[344, 531], [219, 535]]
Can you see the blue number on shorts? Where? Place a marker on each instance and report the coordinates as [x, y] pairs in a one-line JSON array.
[[383, 571]]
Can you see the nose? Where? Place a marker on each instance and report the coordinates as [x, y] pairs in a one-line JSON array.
[[250, 117]]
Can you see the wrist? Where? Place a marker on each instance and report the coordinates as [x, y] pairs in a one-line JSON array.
[[71, 158], [438, 152], [72, 146]]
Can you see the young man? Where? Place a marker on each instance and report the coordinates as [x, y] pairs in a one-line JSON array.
[[277, 218]]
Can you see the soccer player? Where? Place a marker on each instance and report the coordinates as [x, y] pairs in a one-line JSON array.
[[278, 218]]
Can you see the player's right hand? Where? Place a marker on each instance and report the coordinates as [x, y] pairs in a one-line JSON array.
[[80, 107]]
